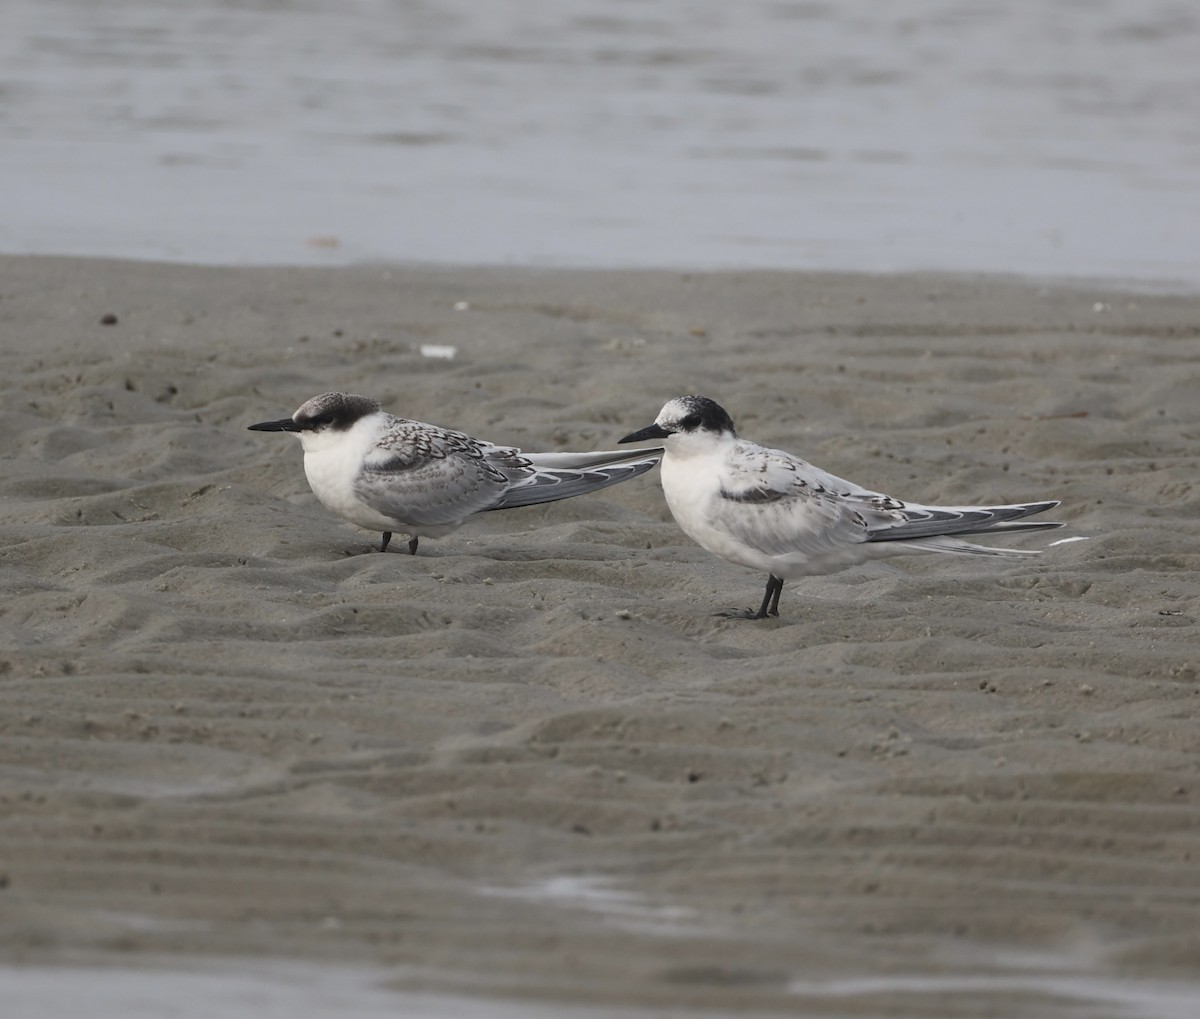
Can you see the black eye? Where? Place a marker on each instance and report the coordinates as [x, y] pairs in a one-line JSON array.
[[690, 422], [315, 422]]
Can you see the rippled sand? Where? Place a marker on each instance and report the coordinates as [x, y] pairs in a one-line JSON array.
[[529, 762]]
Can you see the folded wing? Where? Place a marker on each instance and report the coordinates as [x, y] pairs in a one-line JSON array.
[[781, 505], [430, 476], [554, 476], [425, 475]]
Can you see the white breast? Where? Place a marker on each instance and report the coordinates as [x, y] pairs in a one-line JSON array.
[[332, 461], [691, 480]]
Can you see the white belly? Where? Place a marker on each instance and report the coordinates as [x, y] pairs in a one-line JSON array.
[[691, 495], [331, 477], [773, 538]]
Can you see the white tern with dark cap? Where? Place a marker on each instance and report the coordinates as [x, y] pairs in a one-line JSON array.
[[772, 511], [388, 474]]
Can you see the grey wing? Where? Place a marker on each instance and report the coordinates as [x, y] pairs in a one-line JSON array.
[[918, 522], [549, 477], [425, 475], [785, 505], [779, 504]]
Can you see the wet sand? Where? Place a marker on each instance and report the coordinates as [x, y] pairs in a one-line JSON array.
[[528, 763]]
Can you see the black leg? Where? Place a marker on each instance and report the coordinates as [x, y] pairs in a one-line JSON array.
[[387, 536], [774, 609], [774, 586], [769, 606], [412, 546]]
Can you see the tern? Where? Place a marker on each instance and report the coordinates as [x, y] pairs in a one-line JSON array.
[[769, 510], [390, 474]]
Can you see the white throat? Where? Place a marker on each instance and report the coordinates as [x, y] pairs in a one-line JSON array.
[[700, 443]]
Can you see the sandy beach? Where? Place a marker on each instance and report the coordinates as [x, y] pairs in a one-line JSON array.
[[528, 764]]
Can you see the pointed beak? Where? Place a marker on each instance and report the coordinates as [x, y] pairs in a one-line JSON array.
[[286, 425], [649, 432]]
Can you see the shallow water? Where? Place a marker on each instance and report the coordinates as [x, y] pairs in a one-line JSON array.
[[1047, 139], [268, 989]]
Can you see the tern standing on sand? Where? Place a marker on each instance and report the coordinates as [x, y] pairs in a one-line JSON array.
[[771, 511], [388, 474]]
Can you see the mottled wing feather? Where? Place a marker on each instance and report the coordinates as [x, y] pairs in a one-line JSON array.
[[781, 505], [425, 475], [785, 505]]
